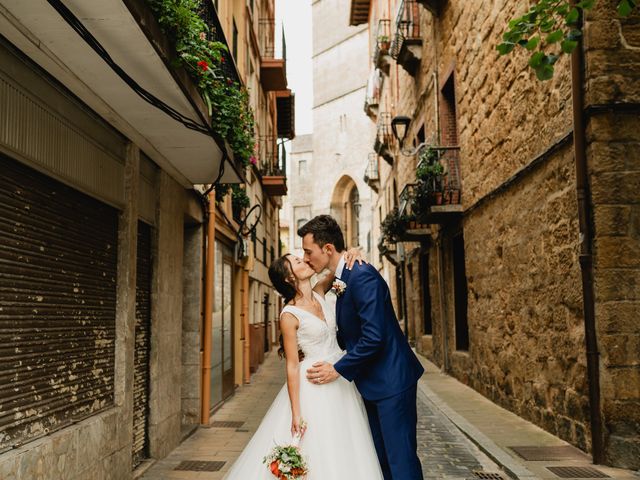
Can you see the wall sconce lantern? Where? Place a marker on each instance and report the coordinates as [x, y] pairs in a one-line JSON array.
[[400, 128]]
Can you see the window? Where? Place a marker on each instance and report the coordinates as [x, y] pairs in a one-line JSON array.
[[460, 293], [302, 167], [235, 42], [449, 133]]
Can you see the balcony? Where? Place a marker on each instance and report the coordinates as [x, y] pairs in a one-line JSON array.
[[372, 174], [384, 140], [406, 47], [273, 67], [434, 6], [130, 34], [435, 197], [273, 166], [359, 13], [381, 57], [374, 89], [285, 104]]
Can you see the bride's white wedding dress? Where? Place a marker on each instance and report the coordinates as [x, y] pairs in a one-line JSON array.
[[337, 444]]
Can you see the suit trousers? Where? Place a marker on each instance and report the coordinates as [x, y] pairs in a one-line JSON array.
[[393, 423]]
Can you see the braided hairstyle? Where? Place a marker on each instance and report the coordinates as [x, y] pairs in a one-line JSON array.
[[281, 275]]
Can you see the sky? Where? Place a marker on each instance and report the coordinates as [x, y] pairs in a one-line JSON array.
[[296, 17]]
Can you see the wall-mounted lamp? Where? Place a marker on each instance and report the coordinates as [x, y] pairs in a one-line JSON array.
[[400, 127]]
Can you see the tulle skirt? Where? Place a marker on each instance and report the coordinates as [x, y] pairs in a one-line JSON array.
[[337, 444]]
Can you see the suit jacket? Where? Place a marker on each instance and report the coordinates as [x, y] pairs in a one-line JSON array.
[[379, 358]]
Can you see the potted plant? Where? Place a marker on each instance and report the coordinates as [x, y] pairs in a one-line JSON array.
[[239, 200], [384, 44], [394, 226]]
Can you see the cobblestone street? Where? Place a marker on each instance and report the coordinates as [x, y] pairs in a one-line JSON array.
[[444, 451]]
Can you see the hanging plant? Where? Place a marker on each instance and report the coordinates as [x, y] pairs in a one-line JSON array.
[[227, 101], [394, 226]]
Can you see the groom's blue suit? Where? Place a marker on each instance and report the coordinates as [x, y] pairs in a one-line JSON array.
[[380, 361]]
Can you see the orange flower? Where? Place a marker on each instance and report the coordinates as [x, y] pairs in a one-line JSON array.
[[274, 468]]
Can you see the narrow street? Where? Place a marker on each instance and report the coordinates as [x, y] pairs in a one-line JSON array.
[[445, 452]]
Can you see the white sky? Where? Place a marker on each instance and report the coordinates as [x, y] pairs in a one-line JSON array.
[[296, 16]]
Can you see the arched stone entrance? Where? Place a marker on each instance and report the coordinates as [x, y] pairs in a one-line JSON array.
[[345, 208]]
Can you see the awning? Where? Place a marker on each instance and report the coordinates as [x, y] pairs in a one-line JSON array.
[[130, 35]]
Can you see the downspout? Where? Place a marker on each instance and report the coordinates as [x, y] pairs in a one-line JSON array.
[[245, 326], [208, 310], [443, 313], [586, 244]]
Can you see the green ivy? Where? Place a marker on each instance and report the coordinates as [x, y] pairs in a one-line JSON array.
[[227, 101], [550, 29]]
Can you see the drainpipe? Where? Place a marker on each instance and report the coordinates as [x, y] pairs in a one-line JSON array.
[[586, 243], [245, 326], [443, 313], [208, 310]]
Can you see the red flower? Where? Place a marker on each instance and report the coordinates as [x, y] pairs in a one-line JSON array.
[[221, 59], [203, 65], [274, 468]]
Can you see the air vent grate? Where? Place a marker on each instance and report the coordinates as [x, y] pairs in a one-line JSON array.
[[199, 466], [227, 424], [577, 472], [487, 475]]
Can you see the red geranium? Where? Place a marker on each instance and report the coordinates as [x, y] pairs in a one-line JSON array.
[[204, 65]]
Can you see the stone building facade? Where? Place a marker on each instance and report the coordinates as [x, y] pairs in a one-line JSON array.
[[493, 263], [339, 144]]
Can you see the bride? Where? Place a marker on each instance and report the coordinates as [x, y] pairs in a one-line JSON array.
[[331, 419]]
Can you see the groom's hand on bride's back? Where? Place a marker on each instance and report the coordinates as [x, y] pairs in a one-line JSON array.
[[321, 373]]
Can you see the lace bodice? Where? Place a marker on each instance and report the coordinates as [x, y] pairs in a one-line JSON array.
[[316, 338]]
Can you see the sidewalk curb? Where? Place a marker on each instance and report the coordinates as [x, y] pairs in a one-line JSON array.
[[484, 443]]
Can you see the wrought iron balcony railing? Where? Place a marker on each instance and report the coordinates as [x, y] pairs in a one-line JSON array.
[[435, 197], [384, 137], [407, 43], [372, 174], [209, 14], [382, 44]]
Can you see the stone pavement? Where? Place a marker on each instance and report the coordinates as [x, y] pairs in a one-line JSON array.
[[495, 430], [461, 434]]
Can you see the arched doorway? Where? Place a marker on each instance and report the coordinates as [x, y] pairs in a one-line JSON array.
[[345, 208]]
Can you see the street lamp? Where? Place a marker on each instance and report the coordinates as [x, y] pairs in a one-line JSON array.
[[400, 128]]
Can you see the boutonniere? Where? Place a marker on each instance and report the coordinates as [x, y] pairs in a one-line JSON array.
[[338, 287]]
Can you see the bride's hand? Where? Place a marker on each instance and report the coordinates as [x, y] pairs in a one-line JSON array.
[[352, 256], [298, 426]]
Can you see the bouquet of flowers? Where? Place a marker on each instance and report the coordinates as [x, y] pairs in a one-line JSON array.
[[286, 461]]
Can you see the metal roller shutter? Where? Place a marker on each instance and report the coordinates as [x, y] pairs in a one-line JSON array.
[[58, 260], [143, 343]]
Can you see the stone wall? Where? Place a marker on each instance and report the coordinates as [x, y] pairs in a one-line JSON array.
[[166, 321], [613, 135]]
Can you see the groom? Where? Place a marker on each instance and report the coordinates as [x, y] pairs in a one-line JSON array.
[[379, 359]]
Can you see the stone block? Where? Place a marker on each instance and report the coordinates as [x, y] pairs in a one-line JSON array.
[[616, 188], [90, 443], [624, 452], [618, 317], [65, 453], [8, 466], [118, 465], [617, 252], [620, 350], [617, 284], [36, 461], [602, 35], [612, 220], [621, 383], [613, 156], [613, 128]]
